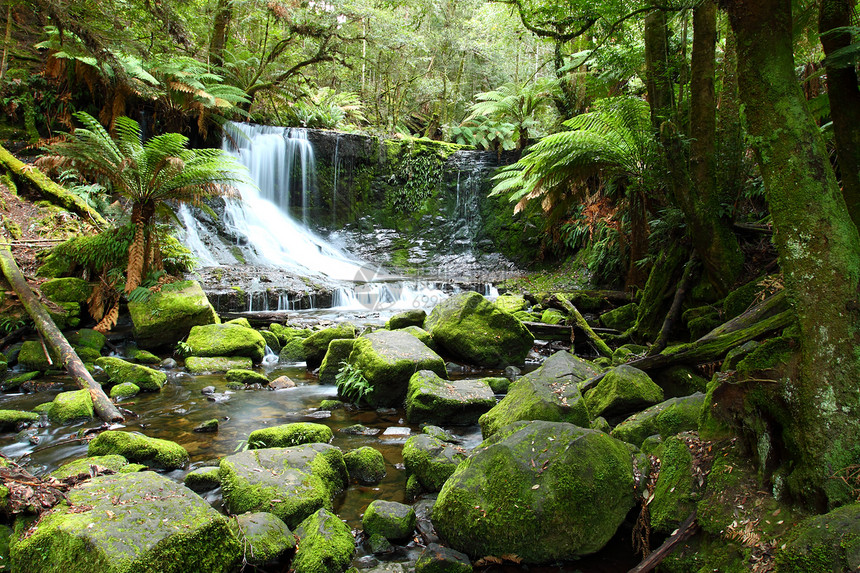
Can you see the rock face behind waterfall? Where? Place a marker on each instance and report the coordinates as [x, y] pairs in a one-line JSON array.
[[473, 329], [543, 491]]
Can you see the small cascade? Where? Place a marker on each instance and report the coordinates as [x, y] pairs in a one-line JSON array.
[[336, 174]]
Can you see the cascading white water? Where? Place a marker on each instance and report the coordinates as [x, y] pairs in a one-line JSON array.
[[271, 155]]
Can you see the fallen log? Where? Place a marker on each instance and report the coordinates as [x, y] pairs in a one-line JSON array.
[[674, 313], [684, 532], [544, 331], [105, 409], [580, 322]]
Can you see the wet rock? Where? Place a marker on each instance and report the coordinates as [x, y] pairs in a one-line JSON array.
[[119, 371], [32, 356], [512, 373], [207, 427], [429, 398], [562, 500], [406, 318], [201, 365], [128, 522], [292, 482], [431, 460], [71, 406], [316, 345], [378, 544], [269, 538], [338, 352], [9, 419], [218, 397], [202, 479], [281, 383], [394, 521], [360, 430], [549, 393], [437, 559], [227, 340], [137, 447], [624, 389], [169, 315], [168, 364], [365, 465], [113, 463], [292, 351], [288, 435], [242, 376], [472, 328], [124, 391], [326, 544], [422, 335], [666, 419], [387, 359], [439, 434], [207, 390]]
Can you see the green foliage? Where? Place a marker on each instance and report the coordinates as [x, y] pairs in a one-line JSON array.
[[108, 249], [183, 349], [326, 109], [11, 323], [516, 105], [351, 383]]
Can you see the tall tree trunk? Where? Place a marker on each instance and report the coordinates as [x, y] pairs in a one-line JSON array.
[[730, 137], [220, 31], [844, 101], [657, 79], [695, 190], [819, 252]]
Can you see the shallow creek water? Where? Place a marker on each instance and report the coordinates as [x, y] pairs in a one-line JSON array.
[[173, 413]]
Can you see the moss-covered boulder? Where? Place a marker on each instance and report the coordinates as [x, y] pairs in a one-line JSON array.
[[438, 559], [272, 340], [549, 393], [67, 290], [203, 365], [71, 406], [391, 519], [292, 482], [338, 351], [142, 356], [823, 543], [620, 318], [127, 523], [316, 345], [388, 359], [666, 419], [292, 351], [679, 381], [168, 315], [119, 372], [9, 419], [136, 447], [32, 357], [435, 400], [623, 390], [227, 340], [675, 492], [421, 335], [112, 462], [365, 465], [511, 302], [558, 501], [267, 539], [498, 384], [431, 460], [203, 479], [243, 376], [287, 333], [473, 329], [87, 338], [326, 544], [414, 317], [288, 435], [740, 299], [124, 391]]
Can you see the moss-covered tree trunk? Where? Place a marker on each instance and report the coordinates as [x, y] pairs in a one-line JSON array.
[[220, 31], [819, 251], [657, 75], [844, 96]]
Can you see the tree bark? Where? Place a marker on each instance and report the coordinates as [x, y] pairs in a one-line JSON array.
[[105, 409], [657, 79], [819, 252], [690, 275], [582, 324], [220, 31], [844, 96]]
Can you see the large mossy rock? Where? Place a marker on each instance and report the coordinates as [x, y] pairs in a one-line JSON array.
[[168, 315], [227, 340], [292, 483], [473, 329], [244, 376], [9, 419], [431, 460], [511, 302], [624, 389], [365, 465], [135, 447], [388, 359], [550, 393], [203, 365], [675, 491], [316, 345], [128, 523], [543, 491], [435, 400], [120, 372], [68, 289], [338, 351], [112, 462], [666, 418], [269, 538], [414, 317], [288, 435], [32, 357], [71, 406], [620, 318], [389, 519], [326, 544], [823, 543]]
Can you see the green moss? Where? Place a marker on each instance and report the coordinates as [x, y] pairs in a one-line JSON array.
[[120, 372], [823, 543], [431, 460], [272, 340], [242, 376], [66, 290], [9, 419], [432, 399], [365, 465], [620, 318], [390, 519], [326, 544], [269, 537], [168, 316], [674, 494], [87, 337], [207, 426], [203, 479], [290, 435], [32, 356], [71, 406], [316, 345], [740, 299], [406, 318], [666, 419], [142, 356], [137, 447], [199, 365], [17, 381], [699, 327], [331, 405], [622, 390], [124, 390], [552, 316], [293, 351], [511, 302], [498, 384], [82, 466], [226, 340]]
